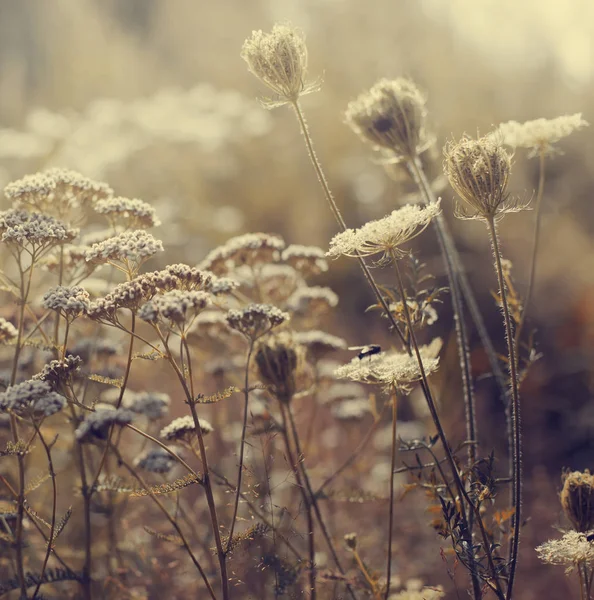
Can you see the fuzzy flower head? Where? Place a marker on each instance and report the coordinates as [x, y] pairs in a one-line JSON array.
[[156, 461], [183, 429], [256, 320], [385, 236], [69, 302], [540, 134], [571, 550], [8, 331], [307, 260], [390, 369], [176, 308], [97, 424], [479, 171], [577, 499], [32, 398], [130, 213], [279, 59], [391, 117], [312, 301]]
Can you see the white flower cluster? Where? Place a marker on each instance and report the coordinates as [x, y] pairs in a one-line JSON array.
[[255, 320], [69, 301], [129, 246], [183, 428], [308, 260], [8, 331], [32, 397], [130, 212], [312, 300], [34, 230], [177, 306]]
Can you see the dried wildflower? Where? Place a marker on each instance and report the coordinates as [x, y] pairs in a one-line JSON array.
[[131, 295], [90, 347], [250, 249], [277, 360], [60, 372], [153, 405], [391, 116], [130, 213], [255, 320], [8, 331], [223, 285], [157, 461], [312, 301], [540, 134], [211, 324], [308, 260], [178, 307], [351, 410], [319, 343], [277, 282], [70, 302], [183, 428], [572, 550], [56, 191], [386, 235], [350, 539], [97, 424], [479, 170], [279, 59], [35, 232], [391, 369], [33, 398], [577, 499], [71, 260], [130, 249]]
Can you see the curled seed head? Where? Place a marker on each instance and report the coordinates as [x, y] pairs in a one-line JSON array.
[[391, 116], [577, 499], [277, 360], [279, 59]]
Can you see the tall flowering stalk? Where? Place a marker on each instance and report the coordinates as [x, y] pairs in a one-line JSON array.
[[479, 171]]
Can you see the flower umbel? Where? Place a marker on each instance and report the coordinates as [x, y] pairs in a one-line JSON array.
[[279, 59], [385, 236]]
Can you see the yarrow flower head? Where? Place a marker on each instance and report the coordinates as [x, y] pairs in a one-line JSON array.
[[572, 550], [318, 343], [129, 249], [60, 373], [157, 461], [312, 301], [130, 213], [390, 369], [391, 116], [97, 424], [255, 320], [540, 134], [32, 398], [479, 171], [8, 331], [183, 429], [385, 236], [70, 302], [249, 249], [177, 307], [153, 405], [279, 59], [308, 260]]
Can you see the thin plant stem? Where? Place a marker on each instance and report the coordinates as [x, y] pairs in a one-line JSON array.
[[515, 412], [442, 437], [535, 244], [167, 515], [372, 584], [246, 392], [394, 401], [418, 175], [338, 216], [306, 501]]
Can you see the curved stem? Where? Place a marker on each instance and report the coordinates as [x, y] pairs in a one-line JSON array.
[[372, 584], [516, 422], [242, 447], [535, 244]]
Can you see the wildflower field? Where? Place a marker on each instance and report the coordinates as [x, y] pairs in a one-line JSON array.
[[296, 300]]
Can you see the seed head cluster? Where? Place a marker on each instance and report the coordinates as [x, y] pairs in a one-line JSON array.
[[128, 212], [70, 302], [307, 260], [96, 425], [572, 550], [33, 398], [34, 231], [183, 428], [176, 306], [157, 461], [128, 247], [577, 499], [255, 320]]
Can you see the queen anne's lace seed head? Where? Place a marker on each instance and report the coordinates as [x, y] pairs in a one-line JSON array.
[[255, 320], [32, 398], [177, 306], [308, 260], [479, 171], [56, 191], [249, 249], [312, 301], [571, 550], [577, 499], [36, 232], [390, 369], [130, 248], [277, 360], [386, 235], [68, 301], [183, 429], [157, 461], [96, 425], [391, 116], [153, 405], [540, 134], [279, 59], [8, 331], [130, 213]]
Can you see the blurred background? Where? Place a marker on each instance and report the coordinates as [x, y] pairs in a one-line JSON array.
[[153, 97]]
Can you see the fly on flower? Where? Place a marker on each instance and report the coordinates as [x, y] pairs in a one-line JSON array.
[[368, 350]]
